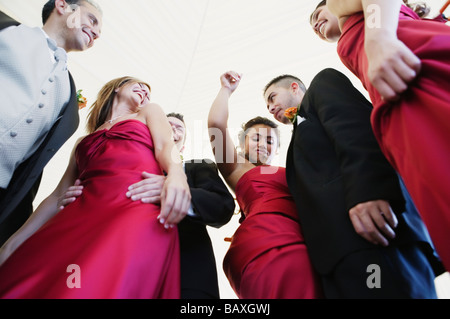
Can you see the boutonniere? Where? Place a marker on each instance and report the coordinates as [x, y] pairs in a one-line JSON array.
[[291, 113], [82, 101]]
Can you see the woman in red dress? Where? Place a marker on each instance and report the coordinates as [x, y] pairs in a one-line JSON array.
[[267, 258], [104, 245], [404, 63]]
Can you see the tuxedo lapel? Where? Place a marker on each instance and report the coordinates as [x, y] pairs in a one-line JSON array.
[[290, 155], [290, 165]]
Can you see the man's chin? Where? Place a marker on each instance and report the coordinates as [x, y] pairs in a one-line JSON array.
[[284, 121]]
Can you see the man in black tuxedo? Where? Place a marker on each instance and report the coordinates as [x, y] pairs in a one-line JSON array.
[[21, 184], [361, 240], [212, 205]]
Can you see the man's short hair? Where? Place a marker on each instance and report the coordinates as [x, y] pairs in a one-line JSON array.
[[176, 115], [285, 81], [50, 5]]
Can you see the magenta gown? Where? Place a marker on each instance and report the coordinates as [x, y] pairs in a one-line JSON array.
[[414, 133], [267, 258], [119, 247]]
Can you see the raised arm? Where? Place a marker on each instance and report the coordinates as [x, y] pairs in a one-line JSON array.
[[392, 65], [344, 8], [46, 210], [227, 159], [388, 8], [175, 195]]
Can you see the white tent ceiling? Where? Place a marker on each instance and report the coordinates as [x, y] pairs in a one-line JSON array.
[[181, 47]]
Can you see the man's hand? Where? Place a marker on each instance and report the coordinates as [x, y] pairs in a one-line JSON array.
[[175, 199], [148, 190], [71, 195], [374, 221]]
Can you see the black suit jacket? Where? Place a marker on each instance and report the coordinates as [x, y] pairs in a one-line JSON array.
[[6, 21], [214, 206], [16, 201], [333, 163]]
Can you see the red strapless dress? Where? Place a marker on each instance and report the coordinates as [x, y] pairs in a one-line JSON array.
[[109, 245], [414, 133], [267, 258]]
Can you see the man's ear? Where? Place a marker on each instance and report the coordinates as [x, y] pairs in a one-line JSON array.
[[60, 6], [295, 87]]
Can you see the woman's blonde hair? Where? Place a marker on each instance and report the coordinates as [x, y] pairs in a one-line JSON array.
[[101, 108]]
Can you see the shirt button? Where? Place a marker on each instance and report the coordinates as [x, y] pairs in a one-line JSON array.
[[51, 79], [30, 120], [13, 134], [41, 105], [43, 91]]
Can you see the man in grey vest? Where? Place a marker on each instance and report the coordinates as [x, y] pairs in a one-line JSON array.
[[38, 108]]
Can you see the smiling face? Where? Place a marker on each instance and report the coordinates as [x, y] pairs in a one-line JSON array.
[[82, 26], [261, 144], [135, 94], [325, 24]]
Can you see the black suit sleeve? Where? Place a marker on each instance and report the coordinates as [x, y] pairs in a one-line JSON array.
[[345, 115], [6, 21], [211, 199]]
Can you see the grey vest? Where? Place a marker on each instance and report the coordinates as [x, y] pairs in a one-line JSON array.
[[21, 189], [31, 98]]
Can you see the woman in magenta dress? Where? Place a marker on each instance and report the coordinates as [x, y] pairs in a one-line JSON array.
[[104, 245], [404, 63], [267, 258]]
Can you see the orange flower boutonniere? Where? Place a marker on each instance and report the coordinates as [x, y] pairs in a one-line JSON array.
[[291, 113], [82, 101]]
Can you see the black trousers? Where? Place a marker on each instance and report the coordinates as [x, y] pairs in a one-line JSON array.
[[398, 272], [195, 294], [16, 219], [19, 215]]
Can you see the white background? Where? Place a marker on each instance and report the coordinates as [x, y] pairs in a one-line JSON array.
[[181, 47]]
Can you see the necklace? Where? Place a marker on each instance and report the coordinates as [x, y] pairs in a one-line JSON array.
[[114, 118]]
